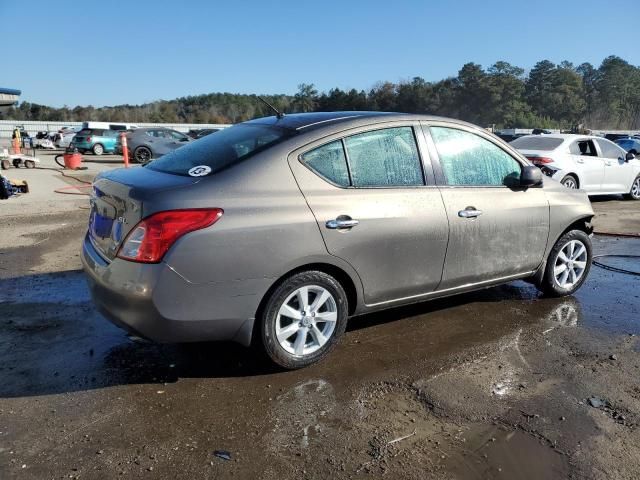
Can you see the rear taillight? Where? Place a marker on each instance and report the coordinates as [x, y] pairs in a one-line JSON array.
[[540, 160], [88, 139], [153, 236]]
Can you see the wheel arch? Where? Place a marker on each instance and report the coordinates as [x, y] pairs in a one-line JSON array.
[[575, 175], [582, 223], [247, 336]]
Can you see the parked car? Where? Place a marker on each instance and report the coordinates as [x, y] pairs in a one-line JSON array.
[[507, 137], [145, 144], [95, 140], [64, 136], [615, 136], [201, 132], [631, 145], [594, 164], [266, 231]]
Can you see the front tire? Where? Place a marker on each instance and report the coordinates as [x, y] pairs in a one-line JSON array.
[[98, 149], [568, 264], [303, 319], [634, 193]]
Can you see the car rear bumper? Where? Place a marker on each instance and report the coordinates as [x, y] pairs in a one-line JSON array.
[[153, 301]]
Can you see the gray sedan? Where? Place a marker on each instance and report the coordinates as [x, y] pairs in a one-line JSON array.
[[145, 144], [277, 230]]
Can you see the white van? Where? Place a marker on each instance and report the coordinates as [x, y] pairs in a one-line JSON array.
[[109, 125]]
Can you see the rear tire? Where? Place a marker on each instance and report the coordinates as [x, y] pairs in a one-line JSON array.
[[303, 319], [97, 149], [29, 164], [143, 155], [570, 181], [634, 193], [568, 264]]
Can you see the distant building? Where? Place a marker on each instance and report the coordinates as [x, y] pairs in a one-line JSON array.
[[9, 96]]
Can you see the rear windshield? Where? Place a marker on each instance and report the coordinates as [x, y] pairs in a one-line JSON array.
[[225, 148], [536, 142]]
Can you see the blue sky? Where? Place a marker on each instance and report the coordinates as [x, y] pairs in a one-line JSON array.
[[113, 52]]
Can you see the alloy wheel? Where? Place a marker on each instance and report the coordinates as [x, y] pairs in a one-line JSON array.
[[143, 155], [569, 182], [570, 264], [306, 320], [635, 188]]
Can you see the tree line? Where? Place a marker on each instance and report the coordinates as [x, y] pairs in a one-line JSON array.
[[550, 96]]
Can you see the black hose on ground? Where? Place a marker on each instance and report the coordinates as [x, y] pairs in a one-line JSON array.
[[616, 269]]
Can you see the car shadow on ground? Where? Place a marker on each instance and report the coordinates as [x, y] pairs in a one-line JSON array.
[[605, 198], [52, 339]]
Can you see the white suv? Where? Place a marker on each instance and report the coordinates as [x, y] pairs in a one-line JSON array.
[[594, 164]]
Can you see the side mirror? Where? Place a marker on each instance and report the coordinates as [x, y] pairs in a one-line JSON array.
[[530, 177], [629, 156]]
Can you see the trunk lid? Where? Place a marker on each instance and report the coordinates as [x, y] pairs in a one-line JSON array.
[[117, 199]]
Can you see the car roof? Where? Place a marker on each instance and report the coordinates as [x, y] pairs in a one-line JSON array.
[[311, 121], [566, 136]]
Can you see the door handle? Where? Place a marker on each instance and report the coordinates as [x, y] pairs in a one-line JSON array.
[[343, 221], [580, 160], [469, 212]]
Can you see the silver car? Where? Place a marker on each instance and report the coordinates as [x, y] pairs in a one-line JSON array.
[[278, 229]]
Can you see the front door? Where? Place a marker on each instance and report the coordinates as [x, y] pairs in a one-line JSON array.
[[618, 173], [497, 229], [374, 209]]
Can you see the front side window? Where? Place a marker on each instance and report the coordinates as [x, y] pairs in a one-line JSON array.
[[610, 149], [468, 159], [386, 157], [177, 136], [329, 162]]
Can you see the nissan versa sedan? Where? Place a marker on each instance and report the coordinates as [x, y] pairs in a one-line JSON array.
[[276, 230]]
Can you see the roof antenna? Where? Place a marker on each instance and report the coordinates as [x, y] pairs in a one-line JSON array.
[[279, 114]]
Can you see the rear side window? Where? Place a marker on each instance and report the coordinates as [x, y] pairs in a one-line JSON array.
[[329, 162], [584, 148], [468, 159], [610, 149], [387, 157], [227, 147], [536, 142]]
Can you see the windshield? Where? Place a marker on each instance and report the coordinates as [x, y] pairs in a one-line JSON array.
[[225, 148], [536, 142]]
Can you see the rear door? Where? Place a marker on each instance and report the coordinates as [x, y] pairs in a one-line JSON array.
[[588, 164], [618, 173], [375, 208], [497, 229]]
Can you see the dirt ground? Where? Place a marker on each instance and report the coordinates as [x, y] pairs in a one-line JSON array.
[[498, 384]]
